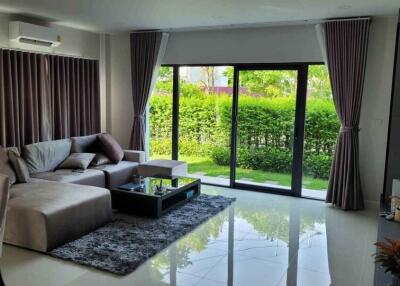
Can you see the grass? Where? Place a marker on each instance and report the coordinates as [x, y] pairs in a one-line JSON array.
[[209, 168]]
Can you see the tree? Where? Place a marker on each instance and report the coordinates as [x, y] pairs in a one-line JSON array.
[[209, 73], [266, 83], [274, 83], [319, 85], [165, 74], [164, 81]]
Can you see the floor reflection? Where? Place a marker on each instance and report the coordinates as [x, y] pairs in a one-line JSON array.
[[250, 243], [262, 239]]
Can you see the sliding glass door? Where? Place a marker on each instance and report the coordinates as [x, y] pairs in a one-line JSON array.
[[269, 127], [246, 126]]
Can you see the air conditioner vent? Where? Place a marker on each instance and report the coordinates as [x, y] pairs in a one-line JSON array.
[[33, 34]]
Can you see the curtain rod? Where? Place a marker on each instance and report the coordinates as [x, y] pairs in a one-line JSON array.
[[46, 53], [346, 19]]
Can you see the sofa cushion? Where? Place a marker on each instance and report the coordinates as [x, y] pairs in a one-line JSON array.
[[100, 159], [84, 144], [110, 147], [134, 156], [20, 168], [46, 156], [118, 174], [154, 168], [77, 161], [87, 177], [5, 166], [44, 215]]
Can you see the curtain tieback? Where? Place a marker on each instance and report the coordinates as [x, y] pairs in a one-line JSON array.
[[139, 116], [349, 129]]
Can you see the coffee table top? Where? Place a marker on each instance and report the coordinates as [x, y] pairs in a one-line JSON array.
[[150, 186]]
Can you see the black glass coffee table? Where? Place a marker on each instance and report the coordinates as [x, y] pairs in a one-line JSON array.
[[155, 196]]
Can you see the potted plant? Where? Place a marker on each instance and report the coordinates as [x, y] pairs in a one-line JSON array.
[[388, 255]]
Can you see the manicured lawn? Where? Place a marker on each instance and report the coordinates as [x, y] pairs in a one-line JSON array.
[[209, 168]]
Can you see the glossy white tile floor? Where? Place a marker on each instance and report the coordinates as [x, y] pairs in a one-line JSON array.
[[262, 239]]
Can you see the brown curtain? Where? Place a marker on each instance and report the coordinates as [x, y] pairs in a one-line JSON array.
[[45, 97], [75, 96], [24, 98], [346, 50], [144, 53]]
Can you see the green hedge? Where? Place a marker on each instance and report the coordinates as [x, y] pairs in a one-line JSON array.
[[265, 130], [273, 160]]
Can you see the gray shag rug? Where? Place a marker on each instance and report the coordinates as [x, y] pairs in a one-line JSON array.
[[127, 241]]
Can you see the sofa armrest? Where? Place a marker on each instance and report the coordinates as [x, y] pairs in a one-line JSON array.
[[134, 156]]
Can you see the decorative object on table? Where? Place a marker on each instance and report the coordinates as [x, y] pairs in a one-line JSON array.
[[158, 189], [128, 241], [137, 179], [394, 203], [397, 214], [389, 217], [388, 256]]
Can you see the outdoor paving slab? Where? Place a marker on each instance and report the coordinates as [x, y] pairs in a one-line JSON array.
[[199, 173], [246, 179], [271, 182]]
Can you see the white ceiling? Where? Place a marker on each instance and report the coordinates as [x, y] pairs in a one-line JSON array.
[[125, 15]]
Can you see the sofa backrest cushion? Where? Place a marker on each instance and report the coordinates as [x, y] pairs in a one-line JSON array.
[[5, 166], [46, 156], [84, 144], [20, 167], [110, 147]]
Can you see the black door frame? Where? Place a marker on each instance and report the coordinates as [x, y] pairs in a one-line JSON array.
[[298, 144]]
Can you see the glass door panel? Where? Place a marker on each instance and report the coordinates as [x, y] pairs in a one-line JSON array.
[[205, 109], [321, 129], [161, 116], [266, 113]]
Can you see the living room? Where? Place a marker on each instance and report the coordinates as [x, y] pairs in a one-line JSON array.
[[204, 143]]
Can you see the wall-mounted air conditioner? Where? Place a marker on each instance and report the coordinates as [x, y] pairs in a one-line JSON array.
[[27, 33]]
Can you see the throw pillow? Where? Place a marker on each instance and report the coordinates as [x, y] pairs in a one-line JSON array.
[[77, 161], [110, 147], [20, 167], [100, 159], [5, 167]]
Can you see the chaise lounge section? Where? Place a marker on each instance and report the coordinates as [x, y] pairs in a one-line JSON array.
[[43, 215]]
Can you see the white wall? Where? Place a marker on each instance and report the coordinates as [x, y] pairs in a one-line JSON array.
[[256, 45], [121, 115], [375, 107]]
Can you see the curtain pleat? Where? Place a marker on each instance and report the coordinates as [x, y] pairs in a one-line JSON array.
[[75, 95], [24, 98], [45, 97], [346, 49]]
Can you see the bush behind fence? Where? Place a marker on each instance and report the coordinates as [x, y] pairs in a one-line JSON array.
[[265, 131]]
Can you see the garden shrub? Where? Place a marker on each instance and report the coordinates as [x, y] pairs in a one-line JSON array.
[[220, 155], [265, 130], [318, 166]]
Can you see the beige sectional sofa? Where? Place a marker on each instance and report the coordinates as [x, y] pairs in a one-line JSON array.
[[58, 206]]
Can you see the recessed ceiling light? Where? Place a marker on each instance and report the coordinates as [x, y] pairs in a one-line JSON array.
[[344, 7]]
